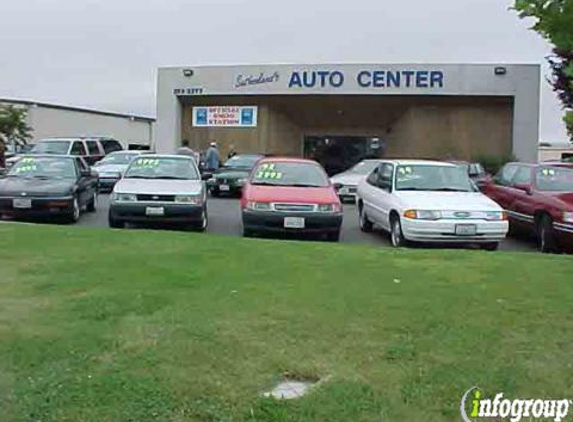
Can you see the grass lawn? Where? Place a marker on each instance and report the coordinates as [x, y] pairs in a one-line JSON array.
[[99, 325]]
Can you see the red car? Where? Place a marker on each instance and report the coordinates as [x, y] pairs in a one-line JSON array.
[[539, 198], [290, 195]]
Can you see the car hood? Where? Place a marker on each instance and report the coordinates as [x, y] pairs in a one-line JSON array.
[[16, 186], [289, 194], [348, 178], [111, 168], [232, 173], [162, 187], [564, 197], [447, 201]]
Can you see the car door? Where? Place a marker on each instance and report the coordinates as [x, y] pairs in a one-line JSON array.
[[384, 197], [86, 183], [521, 203], [499, 190], [368, 192]]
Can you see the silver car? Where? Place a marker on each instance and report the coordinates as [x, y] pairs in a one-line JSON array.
[[111, 168], [346, 183], [160, 189]]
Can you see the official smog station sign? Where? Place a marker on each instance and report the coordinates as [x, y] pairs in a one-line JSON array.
[[225, 116]]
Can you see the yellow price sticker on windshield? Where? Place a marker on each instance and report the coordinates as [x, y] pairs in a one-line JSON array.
[[548, 172], [26, 169], [146, 162]]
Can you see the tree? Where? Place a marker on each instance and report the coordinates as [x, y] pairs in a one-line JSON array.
[[554, 21], [13, 128]]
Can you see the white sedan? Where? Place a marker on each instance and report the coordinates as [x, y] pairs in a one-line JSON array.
[[347, 182], [429, 201]]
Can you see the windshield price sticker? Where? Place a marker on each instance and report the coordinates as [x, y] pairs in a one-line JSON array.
[[548, 172], [26, 168], [405, 173], [146, 162], [268, 171]]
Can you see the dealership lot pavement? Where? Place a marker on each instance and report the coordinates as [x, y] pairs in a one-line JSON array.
[[225, 219]]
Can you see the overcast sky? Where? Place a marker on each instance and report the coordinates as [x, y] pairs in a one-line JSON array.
[[104, 53]]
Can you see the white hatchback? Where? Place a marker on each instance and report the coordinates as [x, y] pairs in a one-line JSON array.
[[429, 201]]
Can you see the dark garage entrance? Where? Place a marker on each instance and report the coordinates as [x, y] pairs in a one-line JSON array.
[[338, 153]]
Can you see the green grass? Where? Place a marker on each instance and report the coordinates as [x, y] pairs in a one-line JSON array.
[[99, 325]]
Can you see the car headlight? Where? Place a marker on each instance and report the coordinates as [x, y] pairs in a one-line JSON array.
[[423, 215], [329, 208], [242, 181], [568, 217], [496, 216], [124, 197], [259, 206], [189, 199]]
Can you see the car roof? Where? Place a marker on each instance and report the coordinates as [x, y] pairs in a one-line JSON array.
[[133, 152], [180, 157], [69, 157], [556, 164], [410, 162], [289, 160]]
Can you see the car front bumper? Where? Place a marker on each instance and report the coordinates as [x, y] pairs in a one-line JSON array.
[[273, 222], [445, 231], [172, 213], [40, 207]]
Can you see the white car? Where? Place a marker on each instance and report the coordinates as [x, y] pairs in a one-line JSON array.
[[347, 182], [429, 201]]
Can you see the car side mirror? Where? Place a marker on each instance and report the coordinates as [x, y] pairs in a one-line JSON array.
[[524, 187]]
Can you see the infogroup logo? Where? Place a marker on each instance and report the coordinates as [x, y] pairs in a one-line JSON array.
[[474, 403]]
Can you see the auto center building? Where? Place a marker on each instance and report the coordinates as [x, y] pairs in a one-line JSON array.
[[339, 114]]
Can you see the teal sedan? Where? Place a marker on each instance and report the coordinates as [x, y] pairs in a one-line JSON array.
[[229, 179]]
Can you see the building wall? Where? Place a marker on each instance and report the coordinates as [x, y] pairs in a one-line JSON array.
[[431, 127], [49, 122]]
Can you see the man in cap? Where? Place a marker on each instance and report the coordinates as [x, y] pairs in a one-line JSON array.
[[212, 157]]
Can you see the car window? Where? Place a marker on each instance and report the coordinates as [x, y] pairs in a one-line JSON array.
[[425, 177], [118, 158], [373, 178], [110, 146], [163, 168], [385, 176], [52, 147], [522, 176], [475, 169], [283, 173], [78, 148], [554, 179], [44, 167], [505, 175], [82, 165], [242, 161], [93, 147]]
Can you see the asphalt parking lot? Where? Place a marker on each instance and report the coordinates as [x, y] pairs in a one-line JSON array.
[[225, 219]]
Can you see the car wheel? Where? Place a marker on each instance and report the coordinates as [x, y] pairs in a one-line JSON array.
[[396, 235], [214, 193], [92, 205], [545, 235], [202, 226], [74, 214], [365, 224], [333, 236], [114, 223], [248, 232], [494, 246]]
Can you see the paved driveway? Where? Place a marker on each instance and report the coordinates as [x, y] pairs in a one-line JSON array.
[[225, 219]]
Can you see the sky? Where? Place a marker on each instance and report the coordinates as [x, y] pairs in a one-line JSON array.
[[104, 53]]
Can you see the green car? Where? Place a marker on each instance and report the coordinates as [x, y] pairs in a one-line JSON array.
[[229, 179]]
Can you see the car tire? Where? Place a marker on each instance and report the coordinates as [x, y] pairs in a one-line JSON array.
[[396, 235], [248, 232], [201, 227], [333, 236], [545, 235], [92, 205], [115, 223], [74, 215], [365, 224], [214, 193], [494, 246]]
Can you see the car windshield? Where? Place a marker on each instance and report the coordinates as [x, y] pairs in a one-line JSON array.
[[433, 178], [44, 167], [52, 147], [364, 167], [242, 161], [281, 173], [556, 179], [117, 159], [162, 168]]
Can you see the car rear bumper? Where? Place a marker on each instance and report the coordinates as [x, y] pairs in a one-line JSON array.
[[172, 213], [41, 207], [232, 185], [273, 222], [106, 184], [564, 235], [445, 231]]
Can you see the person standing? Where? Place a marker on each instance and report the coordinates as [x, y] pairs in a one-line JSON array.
[[212, 157], [185, 150]]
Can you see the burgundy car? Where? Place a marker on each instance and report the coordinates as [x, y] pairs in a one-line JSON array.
[[539, 198]]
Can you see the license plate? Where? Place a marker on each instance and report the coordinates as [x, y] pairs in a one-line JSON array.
[[466, 230], [22, 203], [224, 188], [154, 211], [294, 223]]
